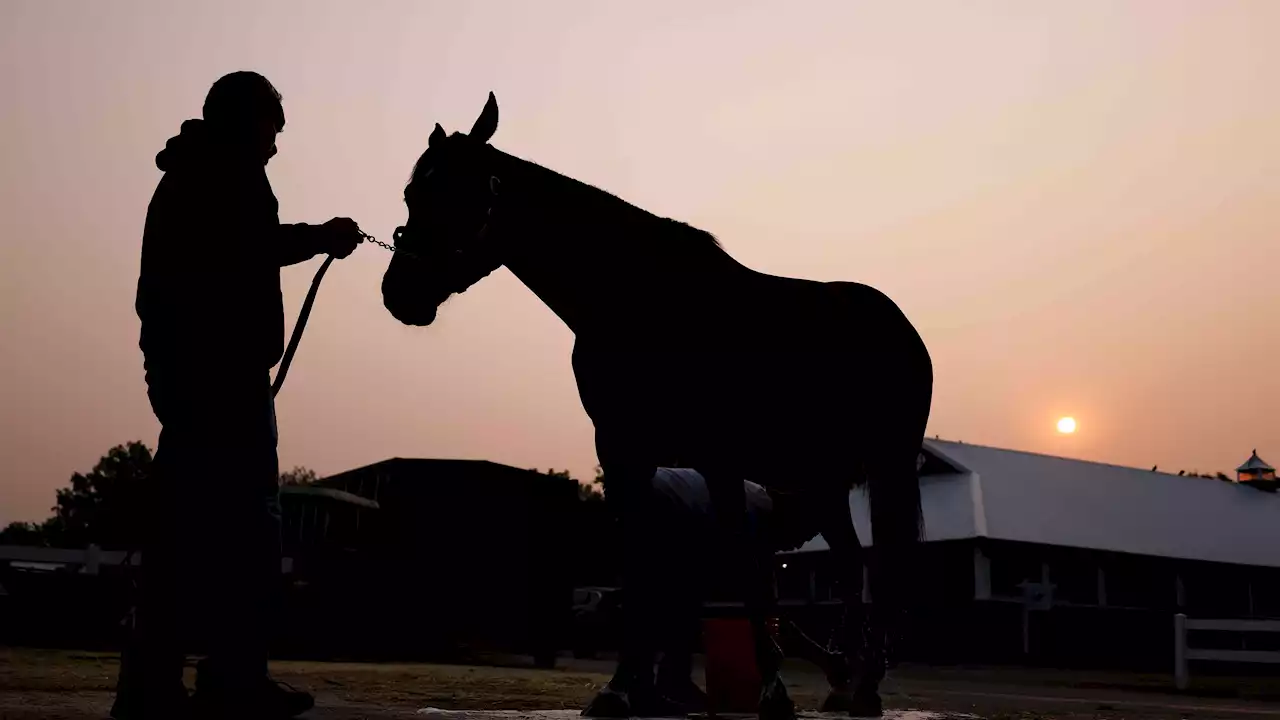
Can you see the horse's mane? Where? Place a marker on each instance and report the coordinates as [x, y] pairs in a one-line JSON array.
[[652, 228], [699, 233], [591, 199]]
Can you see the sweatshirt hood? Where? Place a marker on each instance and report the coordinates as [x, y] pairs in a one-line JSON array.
[[197, 144], [191, 143]]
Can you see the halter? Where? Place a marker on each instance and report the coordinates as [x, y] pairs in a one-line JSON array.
[[402, 231]]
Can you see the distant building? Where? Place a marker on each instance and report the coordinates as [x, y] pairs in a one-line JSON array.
[[412, 559], [463, 554], [1100, 557], [320, 521], [1257, 472]]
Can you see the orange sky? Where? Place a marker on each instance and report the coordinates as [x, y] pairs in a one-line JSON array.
[[1076, 203]]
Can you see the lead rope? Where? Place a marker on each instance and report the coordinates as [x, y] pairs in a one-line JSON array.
[[299, 327], [306, 313]]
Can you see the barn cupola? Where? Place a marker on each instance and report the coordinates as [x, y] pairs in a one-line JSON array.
[[1255, 471]]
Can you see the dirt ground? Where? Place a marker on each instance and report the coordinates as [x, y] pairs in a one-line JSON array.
[[56, 685]]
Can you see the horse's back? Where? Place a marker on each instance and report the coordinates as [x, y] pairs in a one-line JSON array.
[[801, 371]]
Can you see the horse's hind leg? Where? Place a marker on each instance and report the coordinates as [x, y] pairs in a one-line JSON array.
[[891, 572], [833, 664], [854, 687], [775, 702]]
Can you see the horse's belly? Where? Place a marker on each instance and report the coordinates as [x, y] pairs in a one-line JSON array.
[[758, 409], [764, 406]]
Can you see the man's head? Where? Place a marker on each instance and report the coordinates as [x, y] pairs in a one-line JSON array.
[[245, 108]]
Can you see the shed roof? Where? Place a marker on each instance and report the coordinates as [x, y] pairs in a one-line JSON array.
[[330, 493]]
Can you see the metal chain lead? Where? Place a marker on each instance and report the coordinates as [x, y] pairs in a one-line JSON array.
[[377, 242], [384, 246]]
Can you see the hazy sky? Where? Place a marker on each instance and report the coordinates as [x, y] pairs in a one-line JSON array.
[[1077, 203]]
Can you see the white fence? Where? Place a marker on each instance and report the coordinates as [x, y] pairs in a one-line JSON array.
[[87, 560], [1182, 653]]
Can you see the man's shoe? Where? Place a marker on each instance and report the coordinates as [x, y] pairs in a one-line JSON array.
[[265, 699], [147, 692], [131, 704]]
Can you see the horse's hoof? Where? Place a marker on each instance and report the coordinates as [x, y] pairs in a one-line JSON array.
[[775, 703], [865, 704], [838, 701], [684, 698], [609, 703], [661, 706], [777, 710]]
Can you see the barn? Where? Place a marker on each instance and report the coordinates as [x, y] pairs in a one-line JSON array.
[[1037, 559], [460, 554]]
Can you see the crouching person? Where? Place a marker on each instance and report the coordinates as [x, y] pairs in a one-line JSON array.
[[676, 533]]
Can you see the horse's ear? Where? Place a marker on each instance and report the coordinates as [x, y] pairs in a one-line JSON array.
[[436, 135], [487, 124]]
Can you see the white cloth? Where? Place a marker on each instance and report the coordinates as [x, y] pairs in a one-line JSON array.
[[689, 490]]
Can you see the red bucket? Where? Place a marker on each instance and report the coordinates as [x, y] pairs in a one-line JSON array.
[[733, 681]]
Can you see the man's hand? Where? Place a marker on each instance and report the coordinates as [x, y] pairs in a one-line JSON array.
[[341, 237]]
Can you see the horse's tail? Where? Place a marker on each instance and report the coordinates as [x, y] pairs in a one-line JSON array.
[[896, 532], [897, 521]]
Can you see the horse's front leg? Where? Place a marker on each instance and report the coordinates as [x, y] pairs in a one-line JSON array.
[[628, 494], [751, 573]]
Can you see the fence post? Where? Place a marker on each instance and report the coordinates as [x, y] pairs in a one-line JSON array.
[[1180, 675], [92, 559]]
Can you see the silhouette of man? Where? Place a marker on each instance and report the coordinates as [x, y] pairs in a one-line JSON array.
[[212, 328]]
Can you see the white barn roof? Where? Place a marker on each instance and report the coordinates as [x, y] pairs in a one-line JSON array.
[[1025, 497]]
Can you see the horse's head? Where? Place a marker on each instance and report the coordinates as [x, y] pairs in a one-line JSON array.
[[445, 246]]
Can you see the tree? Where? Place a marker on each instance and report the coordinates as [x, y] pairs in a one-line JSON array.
[[594, 490], [22, 533], [102, 507], [298, 476], [598, 558], [587, 492]]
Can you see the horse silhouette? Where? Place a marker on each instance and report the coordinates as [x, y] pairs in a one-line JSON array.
[[808, 388]]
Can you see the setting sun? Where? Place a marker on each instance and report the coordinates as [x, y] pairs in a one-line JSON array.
[[1067, 425]]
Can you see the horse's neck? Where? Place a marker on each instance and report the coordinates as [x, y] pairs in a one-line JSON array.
[[599, 263]]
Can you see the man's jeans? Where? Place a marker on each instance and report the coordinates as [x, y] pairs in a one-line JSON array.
[[211, 552]]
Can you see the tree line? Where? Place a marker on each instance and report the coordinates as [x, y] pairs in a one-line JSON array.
[[104, 505]]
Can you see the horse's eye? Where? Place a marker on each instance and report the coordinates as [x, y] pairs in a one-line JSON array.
[[397, 234]]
